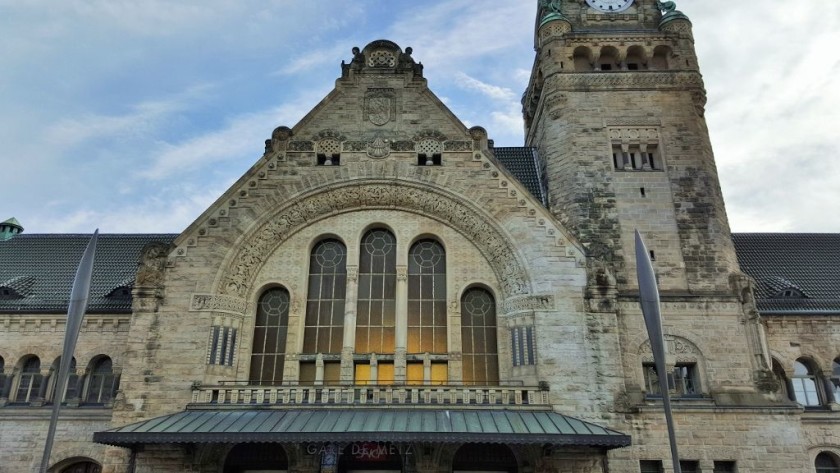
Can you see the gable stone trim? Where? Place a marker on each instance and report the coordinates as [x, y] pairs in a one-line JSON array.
[[238, 272]]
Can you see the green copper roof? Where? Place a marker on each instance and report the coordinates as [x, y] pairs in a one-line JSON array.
[[374, 425], [12, 221]]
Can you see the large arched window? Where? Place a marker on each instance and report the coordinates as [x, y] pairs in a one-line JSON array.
[[825, 463], [324, 322], [426, 323], [268, 354], [478, 337], [376, 306], [102, 383], [29, 381], [805, 384], [325, 302]]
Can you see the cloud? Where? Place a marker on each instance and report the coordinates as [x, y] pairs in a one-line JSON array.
[[493, 91]]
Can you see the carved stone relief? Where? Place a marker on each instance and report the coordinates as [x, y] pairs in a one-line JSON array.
[[529, 303], [218, 303], [380, 106], [498, 250]]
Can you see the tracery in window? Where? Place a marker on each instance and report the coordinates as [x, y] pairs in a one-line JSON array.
[[376, 307], [805, 387], [427, 298], [324, 324], [478, 337], [102, 382], [268, 354]]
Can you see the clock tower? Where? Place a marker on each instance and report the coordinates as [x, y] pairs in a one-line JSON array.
[[615, 107]]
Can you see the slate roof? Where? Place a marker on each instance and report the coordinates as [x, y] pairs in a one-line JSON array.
[[807, 264], [523, 163], [37, 270]]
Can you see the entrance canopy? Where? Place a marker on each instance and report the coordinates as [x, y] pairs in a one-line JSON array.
[[374, 425]]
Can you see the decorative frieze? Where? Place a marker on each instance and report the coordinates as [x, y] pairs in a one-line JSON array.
[[218, 303], [526, 303], [469, 221]]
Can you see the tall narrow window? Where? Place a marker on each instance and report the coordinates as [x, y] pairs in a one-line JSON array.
[[324, 325], [103, 383], [71, 391], [478, 337], [376, 310], [268, 354], [805, 384], [835, 379], [427, 298], [30, 380]]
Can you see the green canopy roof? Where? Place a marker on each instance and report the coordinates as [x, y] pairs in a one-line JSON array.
[[392, 425]]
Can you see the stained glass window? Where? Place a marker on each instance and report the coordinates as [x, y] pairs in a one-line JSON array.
[[324, 324], [375, 313], [427, 298], [478, 337], [268, 354]]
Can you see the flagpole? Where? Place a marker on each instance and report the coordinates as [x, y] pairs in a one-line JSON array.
[[75, 313], [649, 300]]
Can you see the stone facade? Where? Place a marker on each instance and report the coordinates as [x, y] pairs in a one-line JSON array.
[[615, 109]]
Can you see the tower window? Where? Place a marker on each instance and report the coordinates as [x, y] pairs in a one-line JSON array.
[[329, 160], [683, 381], [429, 160], [642, 191]]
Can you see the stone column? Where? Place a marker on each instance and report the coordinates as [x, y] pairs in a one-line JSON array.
[[401, 325], [350, 295]]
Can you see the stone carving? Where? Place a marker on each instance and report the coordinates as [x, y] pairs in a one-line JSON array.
[[498, 250], [381, 58], [658, 80], [380, 106], [152, 265], [430, 135], [301, 146], [327, 134], [634, 135], [457, 146], [402, 273], [355, 146], [276, 144], [218, 303], [699, 99], [533, 302], [402, 146], [378, 148]]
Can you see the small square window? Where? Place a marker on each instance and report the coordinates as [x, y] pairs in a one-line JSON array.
[[632, 67], [690, 466], [725, 467], [606, 67], [650, 466]]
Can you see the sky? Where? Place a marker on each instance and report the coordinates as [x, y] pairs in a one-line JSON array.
[[134, 116]]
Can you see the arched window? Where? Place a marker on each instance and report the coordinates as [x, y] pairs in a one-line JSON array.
[[324, 322], [376, 308], [661, 58], [478, 337], [835, 379], [71, 391], [582, 58], [29, 382], [805, 384], [102, 383], [268, 354], [825, 463], [426, 308]]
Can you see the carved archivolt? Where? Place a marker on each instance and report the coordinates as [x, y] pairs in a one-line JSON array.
[[218, 303], [460, 215]]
